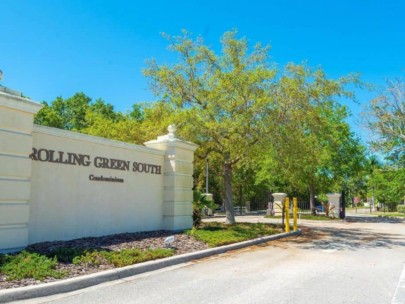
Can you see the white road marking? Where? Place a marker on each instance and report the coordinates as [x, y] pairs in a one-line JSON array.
[[329, 250], [399, 295]]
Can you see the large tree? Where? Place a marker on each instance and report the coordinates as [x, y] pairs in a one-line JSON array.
[[389, 186], [312, 147], [222, 98], [385, 116], [70, 113]]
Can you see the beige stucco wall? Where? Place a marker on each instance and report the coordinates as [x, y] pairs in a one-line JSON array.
[[16, 123], [65, 204], [44, 199]]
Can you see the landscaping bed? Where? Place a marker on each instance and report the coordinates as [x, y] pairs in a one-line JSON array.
[[51, 261], [318, 217]]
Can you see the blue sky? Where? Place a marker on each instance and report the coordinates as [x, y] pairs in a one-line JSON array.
[[53, 48]]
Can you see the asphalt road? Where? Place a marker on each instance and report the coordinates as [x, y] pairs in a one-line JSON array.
[[338, 262]]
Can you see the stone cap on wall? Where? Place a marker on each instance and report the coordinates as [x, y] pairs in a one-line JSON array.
[[94, 139], [170, 139], [279, 197], [17, 102]]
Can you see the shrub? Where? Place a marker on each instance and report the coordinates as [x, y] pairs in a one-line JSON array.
[[323, 198], [66, 255], [91, 257], [217, 234], [132, 256], [197, 215], [391, 206], [199, 203], [29, 265], [401, 208], [121, 258]]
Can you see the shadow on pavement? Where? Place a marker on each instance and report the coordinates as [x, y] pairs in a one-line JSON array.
[[373, 219], [332, 238]]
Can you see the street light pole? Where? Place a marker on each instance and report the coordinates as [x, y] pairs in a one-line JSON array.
[[206, 175]]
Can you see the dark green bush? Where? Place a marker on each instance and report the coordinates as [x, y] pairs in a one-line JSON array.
[[197, 215], [66, 255], [199, 203], [121, 258], [401, 208], [29, 265], [217, 234]]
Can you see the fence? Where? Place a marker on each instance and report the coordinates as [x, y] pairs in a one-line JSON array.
[[260, 204]]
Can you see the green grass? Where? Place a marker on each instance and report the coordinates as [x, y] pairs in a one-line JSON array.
[[307, 217], [122, 258], [26, 265], [317, 217], [380, 213], [389, 214], [217, 234]]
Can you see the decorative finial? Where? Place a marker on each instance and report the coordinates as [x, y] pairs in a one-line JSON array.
[[172, 130]]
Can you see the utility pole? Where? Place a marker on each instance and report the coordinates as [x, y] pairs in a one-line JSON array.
[[206, 175]]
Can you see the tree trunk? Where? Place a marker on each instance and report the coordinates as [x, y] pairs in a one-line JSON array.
[[230, 213], [312, 198]]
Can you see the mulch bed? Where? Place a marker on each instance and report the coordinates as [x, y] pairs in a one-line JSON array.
[[141, 240]]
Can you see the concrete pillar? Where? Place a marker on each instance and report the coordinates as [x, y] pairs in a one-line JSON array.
[[178, 180], [278, 203], [334, 204], [16, 125], [247, 206], [208, 196]]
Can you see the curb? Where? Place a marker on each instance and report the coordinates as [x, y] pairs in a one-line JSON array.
[[42, 290]]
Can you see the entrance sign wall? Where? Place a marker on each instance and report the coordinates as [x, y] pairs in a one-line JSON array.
[[61, 185]]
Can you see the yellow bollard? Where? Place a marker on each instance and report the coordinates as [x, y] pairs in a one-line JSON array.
[[295, 212], [287, 214]]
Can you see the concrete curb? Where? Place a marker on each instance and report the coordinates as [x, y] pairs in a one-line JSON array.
[[72, 284]]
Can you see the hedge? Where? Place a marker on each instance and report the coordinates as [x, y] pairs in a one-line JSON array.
[[401, 208]]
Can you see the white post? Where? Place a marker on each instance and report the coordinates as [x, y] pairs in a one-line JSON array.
[[206, 176], [278, 203], [178, 180], [334, 204], [16, 125]]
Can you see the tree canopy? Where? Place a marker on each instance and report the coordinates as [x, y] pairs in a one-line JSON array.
[[262, 129], [312, 147], [385, 116], [223, 98]]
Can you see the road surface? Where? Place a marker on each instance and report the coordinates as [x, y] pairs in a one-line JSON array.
[[332, 262]]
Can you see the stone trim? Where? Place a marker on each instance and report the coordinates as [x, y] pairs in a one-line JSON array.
[[94, 139], [19, 103]]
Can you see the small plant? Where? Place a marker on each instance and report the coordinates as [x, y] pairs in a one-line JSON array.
[[323, 198], [121, 258], [199, 203], [132, 256], [66, 255], [401, 209], [29, 265], [216, 234], [193, 230], [91, 257], [197, 215], [329, 209]]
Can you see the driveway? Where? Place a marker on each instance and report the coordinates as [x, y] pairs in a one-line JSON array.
[[332, 262]]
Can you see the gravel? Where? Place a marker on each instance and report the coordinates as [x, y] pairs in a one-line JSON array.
[[141, 240]]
